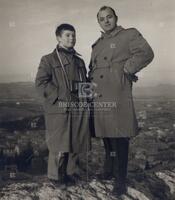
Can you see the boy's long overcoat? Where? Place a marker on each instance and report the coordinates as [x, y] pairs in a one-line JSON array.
[[66, 131]]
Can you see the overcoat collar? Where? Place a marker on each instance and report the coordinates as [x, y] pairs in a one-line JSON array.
[[105, 36], [113, 33], [64, 59], [69, 51]]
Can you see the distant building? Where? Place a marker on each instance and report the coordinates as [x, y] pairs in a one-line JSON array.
[[9, 151], [17, 132], [142, 115], [33, 124], [11, 141], [11, 170], [17, 149]]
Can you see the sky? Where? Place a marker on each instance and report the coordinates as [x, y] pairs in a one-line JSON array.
[[27, 33]]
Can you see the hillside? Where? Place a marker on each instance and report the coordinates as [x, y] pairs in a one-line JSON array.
[[26, 90]]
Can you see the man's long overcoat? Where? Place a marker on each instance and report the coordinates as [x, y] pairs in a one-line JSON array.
[[112, 54]]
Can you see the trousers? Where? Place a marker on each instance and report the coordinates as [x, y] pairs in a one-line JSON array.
[[62, 164], [116, 158]]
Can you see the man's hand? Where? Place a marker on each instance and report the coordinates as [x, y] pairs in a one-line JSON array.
[[131, 77]]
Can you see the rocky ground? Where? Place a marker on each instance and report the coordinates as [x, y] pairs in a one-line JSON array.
[[151, 169], [142, 186], [150, 177]]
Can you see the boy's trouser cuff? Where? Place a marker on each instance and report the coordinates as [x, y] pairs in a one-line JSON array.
[[61, 164]]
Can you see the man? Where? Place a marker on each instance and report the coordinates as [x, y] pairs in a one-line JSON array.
[[116, 57], [67, 127]]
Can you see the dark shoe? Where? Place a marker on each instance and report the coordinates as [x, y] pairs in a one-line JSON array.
[[58, 183], [105, 176], [119, 189], [69, 180], [76, 177]]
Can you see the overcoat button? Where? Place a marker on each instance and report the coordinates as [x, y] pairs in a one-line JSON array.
[[101, 76], [105, 58]]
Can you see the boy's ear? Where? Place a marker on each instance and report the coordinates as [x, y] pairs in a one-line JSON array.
[[58, 38]]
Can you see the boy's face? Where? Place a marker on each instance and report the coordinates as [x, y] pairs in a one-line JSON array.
[[107, 20], [67, 39]]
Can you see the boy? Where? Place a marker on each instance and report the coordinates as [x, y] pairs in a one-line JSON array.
[[67, 130]]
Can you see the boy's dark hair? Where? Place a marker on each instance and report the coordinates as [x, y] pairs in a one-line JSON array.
[[62, 28], [107, 7]]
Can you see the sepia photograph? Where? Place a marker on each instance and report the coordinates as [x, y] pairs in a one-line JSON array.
[[87, 100]]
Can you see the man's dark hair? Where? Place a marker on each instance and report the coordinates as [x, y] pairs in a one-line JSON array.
[[107, 7], [62, 28]]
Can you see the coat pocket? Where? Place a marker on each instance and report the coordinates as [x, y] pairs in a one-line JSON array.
[[57, 107]]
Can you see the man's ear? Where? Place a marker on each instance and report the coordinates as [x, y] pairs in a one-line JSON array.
[[116, 19]]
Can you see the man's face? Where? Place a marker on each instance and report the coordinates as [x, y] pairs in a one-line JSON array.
[[67, 39], [107, 20]]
